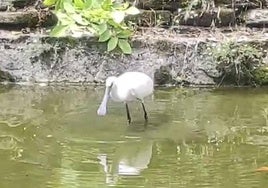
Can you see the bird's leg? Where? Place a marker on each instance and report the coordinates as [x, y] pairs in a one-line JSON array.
[[128, 114], [145, 113]]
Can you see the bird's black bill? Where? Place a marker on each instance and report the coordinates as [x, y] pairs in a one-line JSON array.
[[145, 113], [128, 114]]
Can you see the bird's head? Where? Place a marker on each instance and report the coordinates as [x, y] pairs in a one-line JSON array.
[[110, 81]]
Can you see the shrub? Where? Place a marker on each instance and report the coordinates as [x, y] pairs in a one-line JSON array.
[[101, 18], [236, 61]]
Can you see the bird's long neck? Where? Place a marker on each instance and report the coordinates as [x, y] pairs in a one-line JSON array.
[[114, 93]]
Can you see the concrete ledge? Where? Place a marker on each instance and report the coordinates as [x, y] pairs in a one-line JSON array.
[[20, 18], [27, 18], [151, 18], [220, 17], [257, 18], [6, 4], [181, 58]]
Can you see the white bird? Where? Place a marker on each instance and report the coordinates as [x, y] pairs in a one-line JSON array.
[[127, 87]]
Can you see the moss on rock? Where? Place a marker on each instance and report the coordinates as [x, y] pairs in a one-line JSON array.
[[6, 77], [261, 75]]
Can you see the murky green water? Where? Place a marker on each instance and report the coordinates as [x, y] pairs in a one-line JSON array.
[[51, 137]]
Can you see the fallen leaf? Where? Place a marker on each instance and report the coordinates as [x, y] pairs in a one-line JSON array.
[[262, 169]]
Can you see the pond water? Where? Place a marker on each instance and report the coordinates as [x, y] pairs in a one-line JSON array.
[[52, 137]]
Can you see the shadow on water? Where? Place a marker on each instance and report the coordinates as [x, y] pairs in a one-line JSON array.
[[52, 137]]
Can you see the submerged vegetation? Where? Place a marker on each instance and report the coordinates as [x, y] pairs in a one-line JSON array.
[[101, 18]]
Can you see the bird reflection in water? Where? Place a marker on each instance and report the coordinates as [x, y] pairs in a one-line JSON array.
[[130, 159]]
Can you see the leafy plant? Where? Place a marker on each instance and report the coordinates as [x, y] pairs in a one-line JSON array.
[[102, 18], [237, 61]]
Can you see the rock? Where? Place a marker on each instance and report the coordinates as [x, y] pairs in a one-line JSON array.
[[241, 3], [19, 19], [4, 4], [46, 18], [225, 17], [244, 5], [222, 2], [29, 18], [150, 18], [162, 76], [5, 76], [256, 18], [220, 17], [171, 5]]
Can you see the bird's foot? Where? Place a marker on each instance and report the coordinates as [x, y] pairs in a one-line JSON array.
[[129, 121]]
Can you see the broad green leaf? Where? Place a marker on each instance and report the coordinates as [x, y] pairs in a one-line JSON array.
[[91, 30], [73, 26], [79, 4], [60, 15], [88, 4], [107, 4], [132, 11], [95, 27], [96, 15], [112, 43], [112, 23], [79, 31], [63, 18], [49, 2], [59, 5], [117, 5], [59, 30], [124, 46], [124, 34], [118, 16], [68, 7], [105, 36], [96, 4], [103, 18], [76, 31], [125, 5], [102, 28], [78, 19], [66, 22]]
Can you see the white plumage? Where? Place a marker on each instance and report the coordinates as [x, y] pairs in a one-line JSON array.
[[127, 87]]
